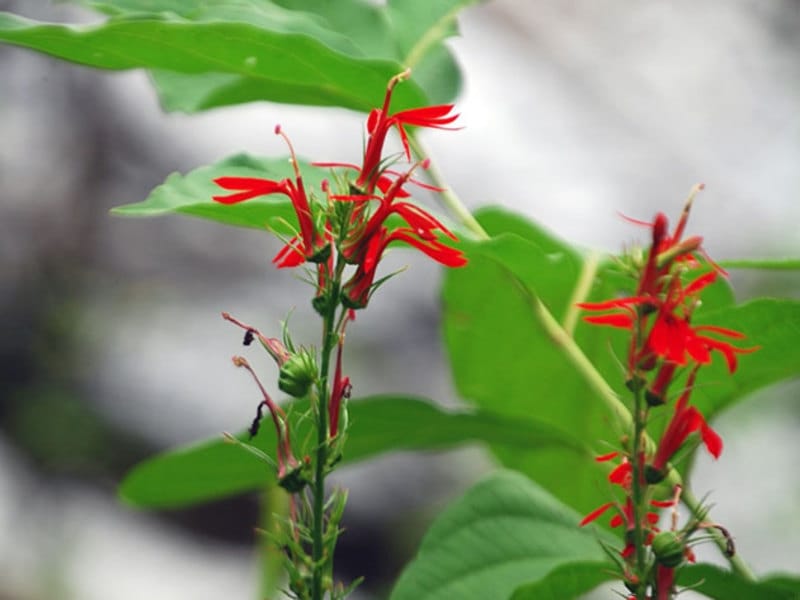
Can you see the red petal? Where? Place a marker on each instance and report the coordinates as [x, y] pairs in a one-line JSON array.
[[250, 188], [621, 474], [291, 255], [622, 321], [721, 330], [611, 304], [596, 513], [450, 257], [605, 457], [711, 439], [700, 283]]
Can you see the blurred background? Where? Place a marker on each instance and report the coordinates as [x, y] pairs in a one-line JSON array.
[[112, 347]]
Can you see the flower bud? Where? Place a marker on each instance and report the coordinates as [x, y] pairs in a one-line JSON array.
[[668, 549], [294, 481], [653, 475], [297, 374]]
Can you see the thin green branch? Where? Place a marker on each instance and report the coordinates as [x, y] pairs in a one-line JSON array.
[[581, 291], [450, 200]]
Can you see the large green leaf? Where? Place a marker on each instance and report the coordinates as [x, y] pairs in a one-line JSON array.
[[504, 361], [191, 194], [717, 583], [213, 54], [214, 469], [770, 324], [567, 581], [503, 532], [574, 579]]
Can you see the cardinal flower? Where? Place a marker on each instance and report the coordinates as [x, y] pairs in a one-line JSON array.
[[311, 244], [685, 421], [356, 292], [380, 122], [671, 337]]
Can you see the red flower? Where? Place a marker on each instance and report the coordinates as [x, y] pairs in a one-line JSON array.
[[369, 237], [380, 122], [356, 292], [310, 245], [624, 516], [685, 421], [670, 337]]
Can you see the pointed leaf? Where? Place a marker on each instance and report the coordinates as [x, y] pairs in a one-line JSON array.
[[567, 581], [205, 54], [214, 469], [191, 194], [714, 582], [503, 532]]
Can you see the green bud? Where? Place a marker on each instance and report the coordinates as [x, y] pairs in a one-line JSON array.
[[321, 255], [321, 303], [653, 475], [668, 549], [294, 481], [297, 374], [635, 383], [653, 399]]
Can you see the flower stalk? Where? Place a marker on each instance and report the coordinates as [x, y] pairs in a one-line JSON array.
[[340, 242]]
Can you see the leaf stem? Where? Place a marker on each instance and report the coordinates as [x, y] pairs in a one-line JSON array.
[[450, 200], [638, 489], [581, 291]]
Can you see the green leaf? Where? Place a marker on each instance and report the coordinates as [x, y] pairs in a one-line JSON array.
[[567, 581], [204, 55], [503, 360], [765, 264], [771, 324], [503, 532], [717, 583], [215, 469], [191, 194]]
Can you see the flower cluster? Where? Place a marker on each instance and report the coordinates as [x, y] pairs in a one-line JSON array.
[[355, 220], [341, 242], [664, 346]]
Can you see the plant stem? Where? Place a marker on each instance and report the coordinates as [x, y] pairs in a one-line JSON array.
[[318, 524], [451, 201], [638, 489]]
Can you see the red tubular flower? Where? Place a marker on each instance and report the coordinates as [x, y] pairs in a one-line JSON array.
[[380, 122], [685, 421], [311, 244], [356, 292], [671, 337]]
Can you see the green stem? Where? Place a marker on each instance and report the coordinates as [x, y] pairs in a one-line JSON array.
[[638, 489], [320, 562], [581, 291], [451, 201]]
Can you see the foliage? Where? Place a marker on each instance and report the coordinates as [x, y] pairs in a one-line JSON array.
[[541, 412]]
